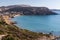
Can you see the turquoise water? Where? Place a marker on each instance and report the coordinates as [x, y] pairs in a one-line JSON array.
[[47, 23]]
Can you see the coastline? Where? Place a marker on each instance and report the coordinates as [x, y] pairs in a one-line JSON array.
[[56, 33], [7, 19]]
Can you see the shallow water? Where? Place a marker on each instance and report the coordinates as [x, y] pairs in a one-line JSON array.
[[46, 23]]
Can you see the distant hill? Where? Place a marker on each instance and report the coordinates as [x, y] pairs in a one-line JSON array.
[[32, 10], [12, 6], [55, 9], [29, 10]]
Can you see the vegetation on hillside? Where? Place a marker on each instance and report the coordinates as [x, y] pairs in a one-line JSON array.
[[12, 32]]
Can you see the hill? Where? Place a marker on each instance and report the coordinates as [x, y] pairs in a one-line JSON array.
[[27, 10], [32, 10]]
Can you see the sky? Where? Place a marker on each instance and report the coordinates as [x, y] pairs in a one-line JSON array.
[[52, 4]]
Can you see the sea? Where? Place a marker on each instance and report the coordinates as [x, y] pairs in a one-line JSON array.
[[40, 23]]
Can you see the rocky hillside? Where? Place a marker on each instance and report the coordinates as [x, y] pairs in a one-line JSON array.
[[28, 10], [31, 10]]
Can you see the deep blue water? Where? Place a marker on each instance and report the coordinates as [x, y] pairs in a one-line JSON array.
[[46, 23]]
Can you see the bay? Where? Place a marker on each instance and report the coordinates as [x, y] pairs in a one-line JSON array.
[[35, 23]]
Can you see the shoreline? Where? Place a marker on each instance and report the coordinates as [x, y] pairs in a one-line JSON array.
[[38, 32], [7, 19], [45, 32]]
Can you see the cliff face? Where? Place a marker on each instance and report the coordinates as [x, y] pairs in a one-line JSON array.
[[32, 10]]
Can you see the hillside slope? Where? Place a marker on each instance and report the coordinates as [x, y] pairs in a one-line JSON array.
[[32, 10]]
